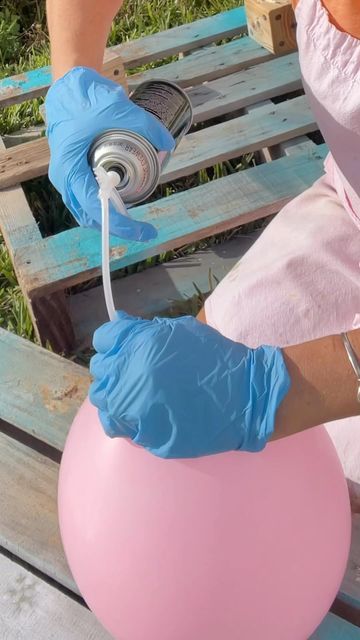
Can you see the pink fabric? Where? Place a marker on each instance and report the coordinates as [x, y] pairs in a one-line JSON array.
[[300, 280], [330, 65]]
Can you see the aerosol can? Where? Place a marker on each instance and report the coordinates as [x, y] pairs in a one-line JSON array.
[[135, 160]]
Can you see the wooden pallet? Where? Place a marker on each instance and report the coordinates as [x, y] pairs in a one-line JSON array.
[[223, 82], [39, 395]]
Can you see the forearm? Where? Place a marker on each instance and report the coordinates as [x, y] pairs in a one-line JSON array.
[[78, 32], [323, 385]]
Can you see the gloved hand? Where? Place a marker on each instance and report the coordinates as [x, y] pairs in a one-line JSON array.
[[181, 389], [79, 106]]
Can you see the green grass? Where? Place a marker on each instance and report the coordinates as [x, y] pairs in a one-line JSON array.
[[24, 45]]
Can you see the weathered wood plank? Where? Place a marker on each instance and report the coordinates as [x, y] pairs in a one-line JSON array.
[[269, 125], [272, 23], [74, 255], [31, 608], [334, 628], [40, 392], [160, 289], [35, 83], [238, 90], [207, 64], [19, 228], [184, 38], [28, 523]]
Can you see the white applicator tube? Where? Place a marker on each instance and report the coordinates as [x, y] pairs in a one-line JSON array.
[[107, 191]]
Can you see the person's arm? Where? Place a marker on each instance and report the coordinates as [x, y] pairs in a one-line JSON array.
[[78, 32], [323, 385]]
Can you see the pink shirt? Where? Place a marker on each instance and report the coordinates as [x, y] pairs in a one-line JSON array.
[[330, 64]]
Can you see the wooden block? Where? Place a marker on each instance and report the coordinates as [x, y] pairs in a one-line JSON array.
[[272, 23]]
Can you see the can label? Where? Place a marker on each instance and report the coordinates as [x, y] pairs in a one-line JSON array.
[[168, 103], [133, 157], [161, 100]]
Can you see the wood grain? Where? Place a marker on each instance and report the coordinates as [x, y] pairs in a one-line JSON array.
[[28, 524], [135, 53], [207, 64], [40, 392], [31, 608], [74, 256]]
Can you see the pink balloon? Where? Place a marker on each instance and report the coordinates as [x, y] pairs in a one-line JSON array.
[[230, 547]]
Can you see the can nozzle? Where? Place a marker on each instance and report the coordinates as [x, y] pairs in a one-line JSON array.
[[108, 181]]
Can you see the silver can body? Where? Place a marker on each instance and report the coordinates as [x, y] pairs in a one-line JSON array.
[[129, 154]]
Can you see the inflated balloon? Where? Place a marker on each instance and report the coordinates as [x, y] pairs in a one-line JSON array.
[[236, 546]]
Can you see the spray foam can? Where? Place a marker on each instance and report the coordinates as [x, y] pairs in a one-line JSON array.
[[129, 154]]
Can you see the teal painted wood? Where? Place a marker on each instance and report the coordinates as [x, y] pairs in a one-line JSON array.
[[207, 64], [238, 90], [334, 628], [263, 127], [35, 83], [268, 125], [74, 255], [39, 391]]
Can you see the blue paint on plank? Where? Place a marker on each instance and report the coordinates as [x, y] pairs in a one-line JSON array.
[[334, 628], [134, 51], [27, 81], [190, 214]]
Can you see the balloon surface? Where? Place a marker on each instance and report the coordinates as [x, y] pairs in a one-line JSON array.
[[237, 546]]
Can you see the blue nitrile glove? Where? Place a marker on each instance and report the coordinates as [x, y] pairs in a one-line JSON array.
[[79, 107], [181, 389]]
